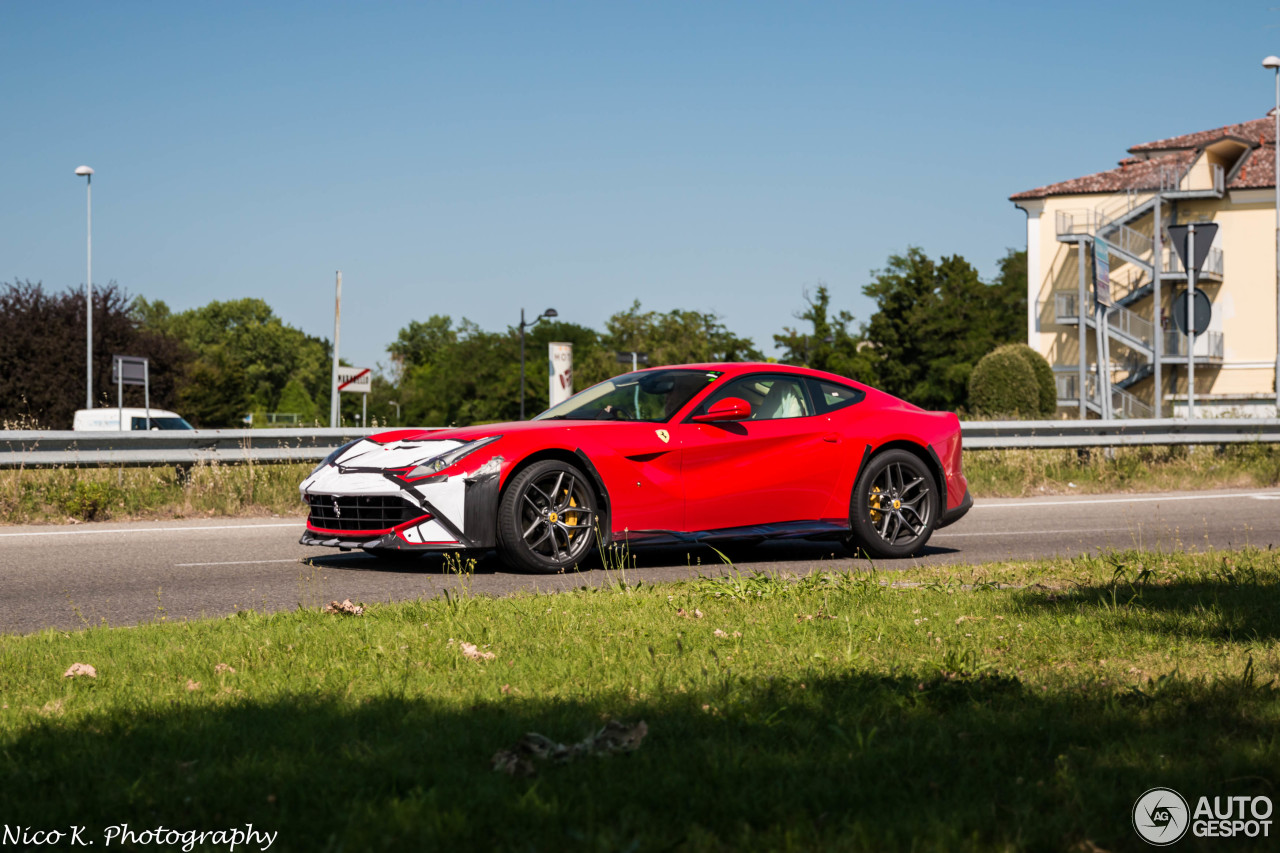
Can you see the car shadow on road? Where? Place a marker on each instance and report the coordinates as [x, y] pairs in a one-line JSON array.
[[702, 557]]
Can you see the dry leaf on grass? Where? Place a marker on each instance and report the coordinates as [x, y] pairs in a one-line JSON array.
[[696, 614], [613, 739], [808, 617], [469, 650], [77, 669], [345, 607], [718, 633], [193, 685], [225, 667]]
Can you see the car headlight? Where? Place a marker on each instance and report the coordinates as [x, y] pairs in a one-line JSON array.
[[436, 464], [333, 457]]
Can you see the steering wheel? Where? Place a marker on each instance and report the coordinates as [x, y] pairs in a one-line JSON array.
[[615, 413]]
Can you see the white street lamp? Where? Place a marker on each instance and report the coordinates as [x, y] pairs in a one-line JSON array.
[[88, 285], [1273, 62], [548, 314]]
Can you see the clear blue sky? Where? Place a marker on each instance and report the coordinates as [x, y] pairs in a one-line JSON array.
[[472, 158]]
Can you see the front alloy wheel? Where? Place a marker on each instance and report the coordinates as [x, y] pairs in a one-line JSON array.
[[895, 506], [547, 517]]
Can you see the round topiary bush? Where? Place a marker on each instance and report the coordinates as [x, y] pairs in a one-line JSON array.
[[1044, 377], [1003, 384]]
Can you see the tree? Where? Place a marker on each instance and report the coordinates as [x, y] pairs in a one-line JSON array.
[[676, 337], [42, 353], [245, 357], [1011, 288], [422, 343], [934, 321], [830, 346], [447, 374]]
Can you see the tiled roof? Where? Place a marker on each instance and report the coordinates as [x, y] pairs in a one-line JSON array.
[[1258, 130], [1132, 174], [1258, 171], [1176, 153]]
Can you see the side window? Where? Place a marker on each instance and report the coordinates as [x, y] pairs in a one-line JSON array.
[[771, 397], [831, 396]]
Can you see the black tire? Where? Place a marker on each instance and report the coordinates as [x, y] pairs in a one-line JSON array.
[[894, 509], [547, 518]]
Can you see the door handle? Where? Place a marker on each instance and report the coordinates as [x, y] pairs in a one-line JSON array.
[[833, 437]]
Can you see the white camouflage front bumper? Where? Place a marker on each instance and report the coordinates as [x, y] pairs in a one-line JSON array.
[[385, 511]]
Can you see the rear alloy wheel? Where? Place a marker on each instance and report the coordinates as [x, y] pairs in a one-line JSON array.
[[895, 506], [547, 518]]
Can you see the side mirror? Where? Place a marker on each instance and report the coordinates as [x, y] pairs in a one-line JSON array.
[[728, 409]]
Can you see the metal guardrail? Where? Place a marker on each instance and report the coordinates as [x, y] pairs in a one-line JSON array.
[[1009, 435], [46, 449], [66, 448]]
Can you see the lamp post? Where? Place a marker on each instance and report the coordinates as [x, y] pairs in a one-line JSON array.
[[397, 405], [88, 284], [1273, 62], [550, 312]]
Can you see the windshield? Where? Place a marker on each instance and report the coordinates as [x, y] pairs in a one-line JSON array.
[[650, 395]]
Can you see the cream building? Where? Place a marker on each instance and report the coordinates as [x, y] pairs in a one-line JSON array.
[[1224, 176]]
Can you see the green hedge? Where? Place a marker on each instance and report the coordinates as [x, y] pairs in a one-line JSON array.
[[1013, 381]]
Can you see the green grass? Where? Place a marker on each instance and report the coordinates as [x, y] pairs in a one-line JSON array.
[[101, 494], [57, 495], [1001, 707], [1024, 473]]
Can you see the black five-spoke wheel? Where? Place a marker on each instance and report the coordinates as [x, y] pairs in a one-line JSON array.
[[547, 517], [895, 506]]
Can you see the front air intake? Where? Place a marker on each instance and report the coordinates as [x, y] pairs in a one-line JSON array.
[[367, 513]]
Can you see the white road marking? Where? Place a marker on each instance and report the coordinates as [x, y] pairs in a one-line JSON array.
[[1023, 503], [1037, 532], [236, 563], [296, 524]]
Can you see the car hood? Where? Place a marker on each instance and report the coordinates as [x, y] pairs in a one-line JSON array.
[[471, 433]]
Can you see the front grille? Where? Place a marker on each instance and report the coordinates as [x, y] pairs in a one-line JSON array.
[[360, 512]]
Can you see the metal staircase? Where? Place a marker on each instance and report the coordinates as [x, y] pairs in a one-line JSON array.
[[1132, 321]]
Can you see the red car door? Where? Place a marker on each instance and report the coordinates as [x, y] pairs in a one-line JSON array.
[[780, 464], [641, 472]]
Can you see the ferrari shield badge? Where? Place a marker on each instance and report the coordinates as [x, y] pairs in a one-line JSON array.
[[664, 435]]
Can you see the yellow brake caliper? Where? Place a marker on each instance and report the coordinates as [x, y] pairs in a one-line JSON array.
[[571, 518], [875, 504]]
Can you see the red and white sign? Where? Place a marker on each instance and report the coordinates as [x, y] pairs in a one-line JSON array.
[[560, 362], [355, 380]]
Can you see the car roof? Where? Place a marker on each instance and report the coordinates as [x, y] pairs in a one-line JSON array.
[[740, 368]]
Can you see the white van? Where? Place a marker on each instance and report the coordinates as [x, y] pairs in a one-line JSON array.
[[114, 420]]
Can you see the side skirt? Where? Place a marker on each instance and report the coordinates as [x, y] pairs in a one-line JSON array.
[[781, 530]]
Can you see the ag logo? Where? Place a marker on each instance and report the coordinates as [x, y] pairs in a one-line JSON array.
[[664, 435], [1161, 816]]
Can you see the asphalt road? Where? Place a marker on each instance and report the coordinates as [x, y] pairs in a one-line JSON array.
[[124, 573]]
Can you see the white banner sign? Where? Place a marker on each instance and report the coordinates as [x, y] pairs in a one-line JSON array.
[[560, 362], [355, 380]]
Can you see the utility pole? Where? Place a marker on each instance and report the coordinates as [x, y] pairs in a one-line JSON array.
[[337, 325], [1157, 345], [1191, 320], [1083, 335], [87, 173]]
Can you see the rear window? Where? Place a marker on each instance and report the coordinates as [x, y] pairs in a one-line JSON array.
[[831, 396]]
